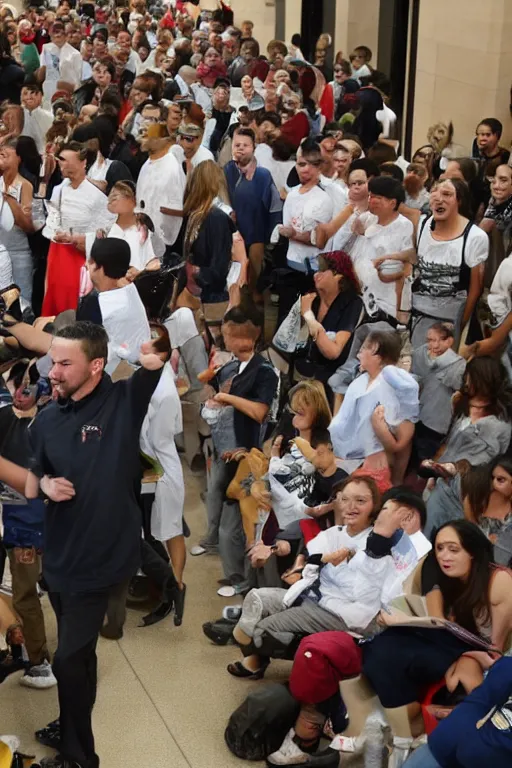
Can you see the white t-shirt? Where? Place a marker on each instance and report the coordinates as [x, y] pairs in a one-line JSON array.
[[279, 169], [337, 193], [439, 267], [61, 64], [36, 124], [125, 320], [417, 202], [162, 183], [201, 155], [140, 253], [389, 239], [303, 213]]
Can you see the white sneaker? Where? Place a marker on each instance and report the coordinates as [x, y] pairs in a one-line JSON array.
[[288, 753], [39, 676], [197, 550]]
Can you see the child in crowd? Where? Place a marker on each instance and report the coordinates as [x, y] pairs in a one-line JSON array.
[[360, 60], [440, 371]]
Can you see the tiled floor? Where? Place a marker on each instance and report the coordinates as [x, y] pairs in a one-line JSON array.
[[164, 696]]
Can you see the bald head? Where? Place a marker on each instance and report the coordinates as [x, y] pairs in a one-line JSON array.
[[188, 74]]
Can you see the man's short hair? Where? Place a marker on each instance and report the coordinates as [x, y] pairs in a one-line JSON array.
[[268, 117], [393, 170], [409, 498], [494, 124], [311, 152], [113, 254], [33, 87], [93, 338], [320, 437], [245, 132], [388, 187]]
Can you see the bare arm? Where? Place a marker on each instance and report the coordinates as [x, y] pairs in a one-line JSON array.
[[391, 442], [325, 231], [501, 608], [475, 291], [14, 476], [332, 349], [494, 343], [435, 604], [32, 338], [252, 409]]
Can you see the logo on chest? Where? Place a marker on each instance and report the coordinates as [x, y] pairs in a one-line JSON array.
[[90, 433]]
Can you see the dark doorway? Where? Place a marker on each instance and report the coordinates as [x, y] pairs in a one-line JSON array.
[[311, 27], [393, 32]]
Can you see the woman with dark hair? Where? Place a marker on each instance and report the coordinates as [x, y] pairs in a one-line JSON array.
[[480, 431], [331, 314], [366, 125], [464, 587], [451, 256], [11, 74], [487, 499]]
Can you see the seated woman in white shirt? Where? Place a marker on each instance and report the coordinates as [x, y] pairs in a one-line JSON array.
[[351, 570]]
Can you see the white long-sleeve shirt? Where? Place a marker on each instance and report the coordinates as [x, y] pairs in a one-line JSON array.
[[79, 210]]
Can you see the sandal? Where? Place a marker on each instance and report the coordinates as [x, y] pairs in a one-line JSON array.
[[10, 308], [237, 669]]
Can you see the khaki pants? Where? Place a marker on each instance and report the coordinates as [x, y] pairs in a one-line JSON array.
[[27, 605]]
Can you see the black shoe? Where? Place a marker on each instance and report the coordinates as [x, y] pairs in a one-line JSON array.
[[109, 632], [138, 591], [161, 612], [179, 605], [219, 632], [10, 663], [57, 762], [49, 736]]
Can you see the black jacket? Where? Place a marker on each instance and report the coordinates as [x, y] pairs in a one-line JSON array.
[[93, 541], [11, 80]]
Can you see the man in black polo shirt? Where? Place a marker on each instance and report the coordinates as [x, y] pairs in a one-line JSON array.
[[86, 448]]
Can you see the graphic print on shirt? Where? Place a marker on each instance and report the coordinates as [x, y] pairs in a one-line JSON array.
[[440, 280]]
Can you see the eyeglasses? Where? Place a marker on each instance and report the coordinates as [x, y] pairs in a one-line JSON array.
[[188, 139], [359, 501]]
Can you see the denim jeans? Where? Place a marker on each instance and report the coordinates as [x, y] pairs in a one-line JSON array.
[[422, 758]]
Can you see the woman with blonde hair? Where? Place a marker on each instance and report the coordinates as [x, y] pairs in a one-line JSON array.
[[208, 241]]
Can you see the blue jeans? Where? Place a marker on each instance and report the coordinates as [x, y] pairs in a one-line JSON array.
[[422, 758]]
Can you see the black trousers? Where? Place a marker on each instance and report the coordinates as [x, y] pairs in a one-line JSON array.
[[79, 619]]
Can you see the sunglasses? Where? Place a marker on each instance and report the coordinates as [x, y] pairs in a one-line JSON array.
[[188, 139]]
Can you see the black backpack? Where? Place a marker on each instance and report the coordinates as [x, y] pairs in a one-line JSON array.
[[258, 727]]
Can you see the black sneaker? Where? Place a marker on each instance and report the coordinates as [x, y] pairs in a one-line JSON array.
[[10, 663], [219, 632], [49, 736], [57, 762]]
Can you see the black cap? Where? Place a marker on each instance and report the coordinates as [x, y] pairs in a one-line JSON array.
[[222, 81]]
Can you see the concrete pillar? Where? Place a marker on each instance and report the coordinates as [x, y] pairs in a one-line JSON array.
[[464, 66]]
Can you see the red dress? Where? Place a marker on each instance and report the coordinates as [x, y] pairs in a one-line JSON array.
[[62, 279]]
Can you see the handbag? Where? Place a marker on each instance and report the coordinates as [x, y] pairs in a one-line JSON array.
[[287, 335]]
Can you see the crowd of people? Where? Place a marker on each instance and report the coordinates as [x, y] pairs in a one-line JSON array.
[[217, 256]]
